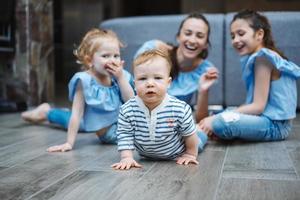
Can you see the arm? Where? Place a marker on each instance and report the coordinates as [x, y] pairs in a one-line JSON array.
[[263, 70], [205, 82], [77, 113], [116, 69], [125, 134], [191, 151]]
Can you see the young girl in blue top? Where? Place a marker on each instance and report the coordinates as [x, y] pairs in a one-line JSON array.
[[189, 61], [96, 93], [270, 82]]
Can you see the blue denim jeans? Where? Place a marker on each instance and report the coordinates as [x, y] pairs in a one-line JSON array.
[[229, 125], [62, 117]]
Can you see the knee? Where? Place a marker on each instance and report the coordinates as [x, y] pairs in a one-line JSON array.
[[222, 125], [110, 137]]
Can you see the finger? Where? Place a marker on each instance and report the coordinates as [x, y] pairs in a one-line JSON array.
[[194, 161], [137, 164], [53, 149], [180, 161], [128, 166]]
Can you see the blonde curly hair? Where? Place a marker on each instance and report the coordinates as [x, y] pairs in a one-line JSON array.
[[90, 43]]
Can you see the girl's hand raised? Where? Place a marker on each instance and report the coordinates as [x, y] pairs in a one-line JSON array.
[[115, 68]]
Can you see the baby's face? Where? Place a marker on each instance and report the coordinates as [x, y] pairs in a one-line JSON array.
[[151, 81]]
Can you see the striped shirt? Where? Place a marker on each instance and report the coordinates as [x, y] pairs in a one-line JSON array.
[[157, 134]]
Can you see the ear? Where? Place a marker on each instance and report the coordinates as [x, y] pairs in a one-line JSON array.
[[88, 60], [260, 33], [169, 81]]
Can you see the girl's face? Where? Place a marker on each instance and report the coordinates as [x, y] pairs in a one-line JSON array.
[[192, 38], [107, 53], [244, 39]]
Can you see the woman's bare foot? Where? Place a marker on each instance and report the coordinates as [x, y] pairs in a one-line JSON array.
[[37, 115]]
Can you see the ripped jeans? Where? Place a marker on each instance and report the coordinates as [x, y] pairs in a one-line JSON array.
[[229, 125]]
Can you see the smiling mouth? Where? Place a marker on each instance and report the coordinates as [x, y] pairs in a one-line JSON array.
[[190, 48]]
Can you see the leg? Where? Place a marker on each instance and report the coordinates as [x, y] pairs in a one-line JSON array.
[[108, 135], [60, 117], [37, 115], [202, 140], [229, 125]]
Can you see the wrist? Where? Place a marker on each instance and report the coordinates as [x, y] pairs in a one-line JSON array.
[[189, 155], [203, 90]]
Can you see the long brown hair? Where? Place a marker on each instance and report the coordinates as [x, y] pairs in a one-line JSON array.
[[258, 21]]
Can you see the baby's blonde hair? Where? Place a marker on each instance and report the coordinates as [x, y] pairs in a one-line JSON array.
[[149, 55], [90, 43]]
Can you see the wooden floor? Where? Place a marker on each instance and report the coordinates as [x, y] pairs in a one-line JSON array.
[[235, 170]]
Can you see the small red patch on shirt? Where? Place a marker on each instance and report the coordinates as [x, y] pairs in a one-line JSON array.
[[171, 122]]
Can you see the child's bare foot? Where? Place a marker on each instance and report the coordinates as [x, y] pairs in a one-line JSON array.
[[36, 115]]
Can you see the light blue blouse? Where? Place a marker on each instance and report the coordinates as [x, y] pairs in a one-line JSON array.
[[282, 100], [186, 83], [102, 103]]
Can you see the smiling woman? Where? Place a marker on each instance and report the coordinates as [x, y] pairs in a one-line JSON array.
[[189, 62]]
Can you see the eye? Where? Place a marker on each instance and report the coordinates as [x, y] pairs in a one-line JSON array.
[[141, 78], [232, 36], [158, 78], [187, 33], [105, 56], [117, 56], [241, 33], [200, 35]]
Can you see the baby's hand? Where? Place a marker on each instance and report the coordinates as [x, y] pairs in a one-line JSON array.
[[126, 163], [185, 159], [60, 148], [115, 68]]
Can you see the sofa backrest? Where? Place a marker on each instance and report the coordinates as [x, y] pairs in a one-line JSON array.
[[134, 31], [230, 89]]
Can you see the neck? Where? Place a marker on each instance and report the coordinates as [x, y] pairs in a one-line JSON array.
[[186, 65], [104, 79]]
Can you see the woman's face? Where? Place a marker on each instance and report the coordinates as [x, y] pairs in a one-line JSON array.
[[192, 38]]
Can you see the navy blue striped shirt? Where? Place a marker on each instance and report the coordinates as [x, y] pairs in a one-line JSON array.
[[157, 134]]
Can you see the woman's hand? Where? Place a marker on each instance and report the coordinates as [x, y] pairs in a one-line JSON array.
[[206, 125], [208, 78]]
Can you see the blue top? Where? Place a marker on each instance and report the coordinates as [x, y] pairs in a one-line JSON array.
[[186, 83], [102, 103], [282, 100]]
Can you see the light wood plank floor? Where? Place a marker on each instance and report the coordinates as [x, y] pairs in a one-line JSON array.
[[227, 170]]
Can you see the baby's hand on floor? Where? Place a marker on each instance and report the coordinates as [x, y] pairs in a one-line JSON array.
[[185, 159], [60, 148], [126, 163]]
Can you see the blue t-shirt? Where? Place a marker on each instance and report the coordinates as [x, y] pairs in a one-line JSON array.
[[282, 100], [102, 103]]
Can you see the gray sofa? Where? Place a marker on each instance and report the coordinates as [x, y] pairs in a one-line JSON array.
[[230, 90]]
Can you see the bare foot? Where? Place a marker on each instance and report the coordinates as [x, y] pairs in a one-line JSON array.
[[36, 115]]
